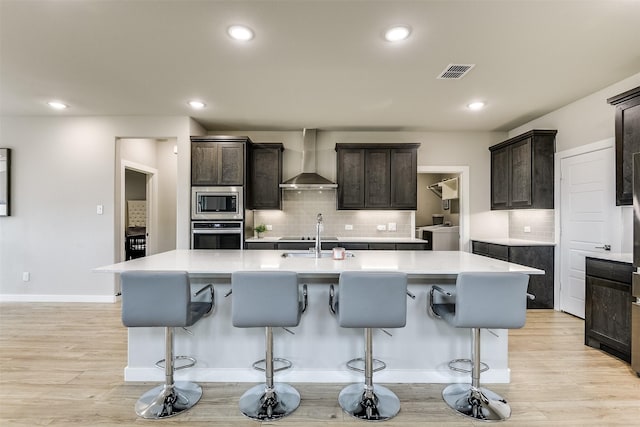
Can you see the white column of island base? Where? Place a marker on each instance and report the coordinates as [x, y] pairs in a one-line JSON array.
[[417, 353]]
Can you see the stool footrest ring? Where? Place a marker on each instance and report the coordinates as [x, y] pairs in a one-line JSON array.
[[284, 364], [378, 365], [452, 365], [190, 362]]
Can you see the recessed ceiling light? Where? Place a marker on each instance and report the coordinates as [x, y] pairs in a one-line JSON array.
[[197, 104], [240, 32], [477, 105], [57, 105], [397, 33]]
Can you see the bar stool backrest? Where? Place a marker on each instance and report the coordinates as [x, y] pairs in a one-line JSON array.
[[491, 300], [372, 299], [265, 298], [156, 298]]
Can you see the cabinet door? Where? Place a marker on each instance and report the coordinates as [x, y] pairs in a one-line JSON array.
[[608, 316], [500, 178], [404, 180], [351, 185], [231, 164], [377, 179], [204, 163], [540, 257], [264, 177], [627, 143], [520, 180]]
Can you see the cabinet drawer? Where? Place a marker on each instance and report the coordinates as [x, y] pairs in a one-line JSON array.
[[498, 251], [260, 245], [382, 246], [411, 246], [611, 270], [480, 248]]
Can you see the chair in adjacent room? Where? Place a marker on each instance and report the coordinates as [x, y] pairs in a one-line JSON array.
[[480, 300], [163, 299], [370, 300], [268, 299]]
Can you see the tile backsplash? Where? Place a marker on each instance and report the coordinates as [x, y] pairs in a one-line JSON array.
[[540, 223], [300, 208]]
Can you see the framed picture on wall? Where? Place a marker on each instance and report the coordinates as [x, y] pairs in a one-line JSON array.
[[5, 173]]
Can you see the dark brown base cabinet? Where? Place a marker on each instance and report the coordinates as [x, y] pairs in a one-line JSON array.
[[540, 257], [350, 246], [607, 310]]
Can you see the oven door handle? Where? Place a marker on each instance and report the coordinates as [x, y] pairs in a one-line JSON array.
[[216, 231]]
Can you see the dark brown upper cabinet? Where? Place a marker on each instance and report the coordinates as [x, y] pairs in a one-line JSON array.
[[218, 160], [627, 142], [377, 176], [265, 176], [522, 171]]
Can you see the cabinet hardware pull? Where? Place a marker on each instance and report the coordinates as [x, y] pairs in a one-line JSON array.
[[605, 247]]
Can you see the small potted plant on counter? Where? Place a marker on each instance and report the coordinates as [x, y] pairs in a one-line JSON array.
[[258, 230]]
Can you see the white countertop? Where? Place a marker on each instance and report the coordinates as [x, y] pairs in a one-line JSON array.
[[440, 228], [417, 264], [614, 256], [514, 242]]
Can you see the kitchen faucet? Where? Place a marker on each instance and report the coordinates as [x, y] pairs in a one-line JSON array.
[[318, 243]]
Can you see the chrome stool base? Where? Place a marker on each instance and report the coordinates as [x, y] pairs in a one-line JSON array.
[[261, 364], [168, 401], [358, 365], [260, 403], [477, 403], [381, 406]]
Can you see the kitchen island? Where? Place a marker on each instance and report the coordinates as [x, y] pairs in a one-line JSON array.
[[417, 353]]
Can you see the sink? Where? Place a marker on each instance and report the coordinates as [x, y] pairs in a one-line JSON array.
[[307, 254]]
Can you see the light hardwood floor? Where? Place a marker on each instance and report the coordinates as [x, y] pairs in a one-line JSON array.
[[62, 365]]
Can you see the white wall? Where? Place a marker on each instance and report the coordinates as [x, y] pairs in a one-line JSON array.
[[61, 169]]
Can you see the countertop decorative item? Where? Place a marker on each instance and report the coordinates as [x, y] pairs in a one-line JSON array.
[[259, 229]]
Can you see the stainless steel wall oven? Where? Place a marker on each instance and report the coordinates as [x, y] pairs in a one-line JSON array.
[[217, 235]]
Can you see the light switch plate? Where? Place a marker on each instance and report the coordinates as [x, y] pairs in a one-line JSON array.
[[348, 226], [527, 229]]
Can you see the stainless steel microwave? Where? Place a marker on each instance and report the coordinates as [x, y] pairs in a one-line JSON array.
[[217, 203]]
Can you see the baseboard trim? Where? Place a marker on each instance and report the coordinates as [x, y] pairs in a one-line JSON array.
[[57, 298]]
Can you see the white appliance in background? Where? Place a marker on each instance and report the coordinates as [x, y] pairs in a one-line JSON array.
[[635, 289], [440, 237]]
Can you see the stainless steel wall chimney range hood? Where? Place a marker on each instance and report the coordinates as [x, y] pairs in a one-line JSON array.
[[308, 179]]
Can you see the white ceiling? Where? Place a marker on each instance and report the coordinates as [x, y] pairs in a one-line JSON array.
[[319, 64]]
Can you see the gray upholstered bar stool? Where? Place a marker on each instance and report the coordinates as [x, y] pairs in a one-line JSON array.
[[163, 299], [370, 300], [267, 299], [480, 300]]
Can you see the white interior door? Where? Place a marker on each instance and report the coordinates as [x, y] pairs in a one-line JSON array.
[[587, 208]]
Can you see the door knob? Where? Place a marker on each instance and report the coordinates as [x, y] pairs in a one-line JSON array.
[[605, 247]]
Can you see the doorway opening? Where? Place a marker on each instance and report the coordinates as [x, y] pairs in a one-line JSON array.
[[433, 209], [146, 191]]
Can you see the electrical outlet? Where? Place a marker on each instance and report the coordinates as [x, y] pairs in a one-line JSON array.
[[26, 276], [269, 227], [392, 226], [348, 227], [527, 229], [381, 227], [100, 209]]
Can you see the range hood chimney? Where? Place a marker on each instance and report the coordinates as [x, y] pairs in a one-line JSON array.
[[308, 179]]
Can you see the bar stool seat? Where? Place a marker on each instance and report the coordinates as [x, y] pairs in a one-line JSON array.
[[163, 299], [267, 299], [480, 300], [370, 300]]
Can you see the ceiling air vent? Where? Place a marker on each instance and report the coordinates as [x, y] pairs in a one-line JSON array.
[[455, 71]]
